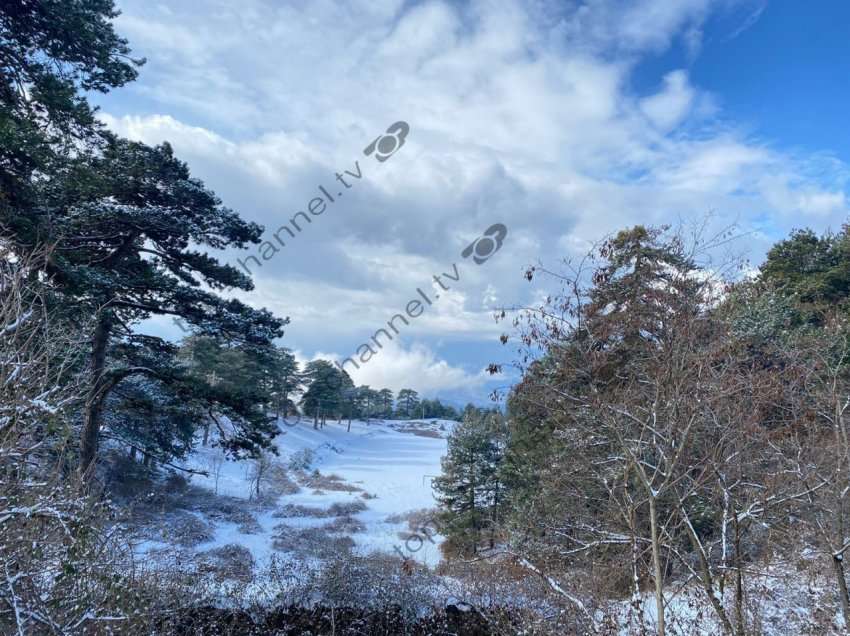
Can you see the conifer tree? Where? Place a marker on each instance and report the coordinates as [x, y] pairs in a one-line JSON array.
[[408, 401], [128, 225], [470, 490], [325, 391], [385, 402]]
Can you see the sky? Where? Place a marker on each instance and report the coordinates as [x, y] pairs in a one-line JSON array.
[[561, 121]]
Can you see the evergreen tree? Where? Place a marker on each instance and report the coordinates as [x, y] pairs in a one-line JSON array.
[[325, 391], [126, 221], [813, 271], [470, 490], [435, 409], [368, 401], [153, 419], [233, 381], [125, 248], [408, 402], [284, 380], [50, 54], [385, 403]]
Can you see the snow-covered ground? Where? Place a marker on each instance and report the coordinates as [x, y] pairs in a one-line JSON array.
[[377, 475], [383, 466]]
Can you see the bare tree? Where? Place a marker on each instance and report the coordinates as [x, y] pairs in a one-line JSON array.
[[257, 473], [54, 556]]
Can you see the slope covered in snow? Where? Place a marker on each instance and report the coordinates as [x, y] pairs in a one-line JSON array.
[[367, 488]]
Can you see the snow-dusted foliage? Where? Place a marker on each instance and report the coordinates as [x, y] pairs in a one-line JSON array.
[[55, 574]]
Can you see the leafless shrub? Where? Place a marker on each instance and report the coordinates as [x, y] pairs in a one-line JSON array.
[[278, 482], [420, 432], [257, 474], [228, 562], [301, 460], [344, 525], [375, 581], [346, 508], [214, 464], [296, 510], [186, 529], [58, 562], [322, 482], [317, 542]]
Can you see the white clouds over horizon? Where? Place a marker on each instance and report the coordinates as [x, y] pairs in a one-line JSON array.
[[520, 113]]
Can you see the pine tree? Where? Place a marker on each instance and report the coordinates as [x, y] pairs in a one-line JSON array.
[[125, 248], [51, 53], [288, 381], [153, 419], [813, 271], [408, 401], [126, 221], [385, 403], [326, 392], [233, 381], [368, 401], [470, 490]]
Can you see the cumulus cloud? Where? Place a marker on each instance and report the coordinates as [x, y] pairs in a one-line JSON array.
[[396, 367], [520, 113], [668, 108]]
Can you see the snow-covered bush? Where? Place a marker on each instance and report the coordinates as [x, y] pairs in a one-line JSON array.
[[58, 562], [302, 459]]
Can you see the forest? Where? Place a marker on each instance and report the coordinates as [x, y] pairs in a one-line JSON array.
[[677, 426], [674, 457]]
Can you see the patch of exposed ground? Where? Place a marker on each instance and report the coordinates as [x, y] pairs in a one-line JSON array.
[[420, 432], [344, 525], [416, 519], [172, 510]]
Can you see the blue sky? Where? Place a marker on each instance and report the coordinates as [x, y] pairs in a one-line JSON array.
[[565, 121], [783, 77]]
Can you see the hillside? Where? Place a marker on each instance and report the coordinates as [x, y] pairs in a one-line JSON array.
[[362, 488]]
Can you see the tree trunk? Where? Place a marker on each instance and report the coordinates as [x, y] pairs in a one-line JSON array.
[[656, 565], [93, 412], [838, 568], [316, 419], [739, 582], [206, 433], [637, 604]]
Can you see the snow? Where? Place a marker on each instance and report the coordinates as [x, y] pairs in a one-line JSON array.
[[16, 324], [383, 458]]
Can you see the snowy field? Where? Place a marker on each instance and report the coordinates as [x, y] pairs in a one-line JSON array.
[[379, 473], [370, 486]]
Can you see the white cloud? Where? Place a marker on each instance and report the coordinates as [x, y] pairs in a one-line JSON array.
[[418, 367], [520, 113], [668, 108]]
